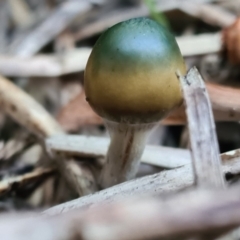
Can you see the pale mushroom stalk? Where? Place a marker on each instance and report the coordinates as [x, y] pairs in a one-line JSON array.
[[126, 148], [130, 81]]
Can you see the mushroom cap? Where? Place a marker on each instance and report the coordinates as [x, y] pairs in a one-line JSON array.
[[130, 75]]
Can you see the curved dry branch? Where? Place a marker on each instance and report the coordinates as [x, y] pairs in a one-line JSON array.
[[186, 215], [26, 111], [163, 182]]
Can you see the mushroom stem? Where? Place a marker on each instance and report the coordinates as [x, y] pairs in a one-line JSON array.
[[126, 148]]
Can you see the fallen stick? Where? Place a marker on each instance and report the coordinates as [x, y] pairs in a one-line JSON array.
[[200, 44], [163, 182], [186, 215], [44, 65], [96, 147]]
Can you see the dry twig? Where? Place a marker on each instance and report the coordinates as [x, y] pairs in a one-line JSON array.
[[17, 182], [25, 110], [200, 44], [50, 28], [211, 14], [96, 147], [44, 65], [21, 14], [197, 9]]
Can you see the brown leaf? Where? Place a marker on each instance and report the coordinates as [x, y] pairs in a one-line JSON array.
[[225, 108], [77, 113], [224, 101], [231, 41]]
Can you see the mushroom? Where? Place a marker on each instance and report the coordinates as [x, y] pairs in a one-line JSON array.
[[130, 81]]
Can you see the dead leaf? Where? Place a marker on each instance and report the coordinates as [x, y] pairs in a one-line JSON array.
[[77, 113], [231, 41], [225, 107]]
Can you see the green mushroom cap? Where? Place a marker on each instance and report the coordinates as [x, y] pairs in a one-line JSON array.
[[130, 76]]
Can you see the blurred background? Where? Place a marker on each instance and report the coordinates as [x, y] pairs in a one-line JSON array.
[[44, 47]]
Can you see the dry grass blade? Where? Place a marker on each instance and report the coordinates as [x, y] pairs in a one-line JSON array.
[[50, 28], [120, 15], [105, 22], [200, 44], [4, 21], [209, 13], [10, 148], [204, 145], [21, 14], [18, 182]]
